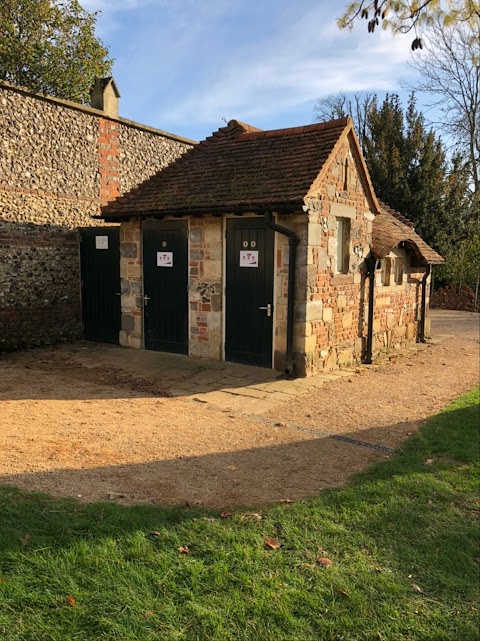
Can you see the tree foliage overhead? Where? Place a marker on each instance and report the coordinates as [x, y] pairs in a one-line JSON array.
[[49, 46], [401, 16]]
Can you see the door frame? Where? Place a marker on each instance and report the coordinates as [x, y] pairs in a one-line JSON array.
[[224, 278], [167, 219]]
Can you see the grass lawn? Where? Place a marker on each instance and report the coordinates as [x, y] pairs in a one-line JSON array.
[[402, 538]]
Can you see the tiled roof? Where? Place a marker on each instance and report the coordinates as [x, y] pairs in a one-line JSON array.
[[237, 167], [396, 214], [389, 231]]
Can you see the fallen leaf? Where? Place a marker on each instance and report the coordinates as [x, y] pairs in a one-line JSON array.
[[70, 600], [272, 544], [429, 461], [150, 613], [281, 424], [183, 549], [252, 516], [2, 580], [155, 533], [231, 468], [226, 514], [322, 560], [417, 588]]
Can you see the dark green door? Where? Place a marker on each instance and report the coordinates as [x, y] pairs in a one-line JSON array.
[[249, 292], [100, 274], [165, 274]]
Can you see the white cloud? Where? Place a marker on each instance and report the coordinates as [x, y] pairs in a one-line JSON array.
[[182, 65], [295, 66]]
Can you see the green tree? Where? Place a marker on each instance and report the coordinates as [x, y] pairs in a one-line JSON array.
[[388, 155], [50, 47]]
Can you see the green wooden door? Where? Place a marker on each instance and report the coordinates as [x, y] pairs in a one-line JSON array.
[[165, 273], [249, 292]]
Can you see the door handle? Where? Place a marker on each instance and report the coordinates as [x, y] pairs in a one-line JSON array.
[[145, 300], [118, 294], [268, 308]]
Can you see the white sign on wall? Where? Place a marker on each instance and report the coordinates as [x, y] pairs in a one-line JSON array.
[[249, 259], [101, 242], [164, 259]]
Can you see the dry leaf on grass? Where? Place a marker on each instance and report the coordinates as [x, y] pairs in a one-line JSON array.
[[226, 514], [322, 560], [155, 533], [417, 588], [272, 544], [70, 600], [183, 549], [252, 516]]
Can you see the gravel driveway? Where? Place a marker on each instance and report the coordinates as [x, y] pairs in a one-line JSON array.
[[94, 433]]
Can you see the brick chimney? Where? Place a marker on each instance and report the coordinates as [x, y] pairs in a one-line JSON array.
[[105, 96]]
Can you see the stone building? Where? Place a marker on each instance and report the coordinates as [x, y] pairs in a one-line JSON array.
[[59, 161], [270, 248]]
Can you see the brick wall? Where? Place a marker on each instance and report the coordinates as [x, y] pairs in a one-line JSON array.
[[332, 325], [58, 162]]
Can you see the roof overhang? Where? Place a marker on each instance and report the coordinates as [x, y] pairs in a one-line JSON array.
[[198, 212]]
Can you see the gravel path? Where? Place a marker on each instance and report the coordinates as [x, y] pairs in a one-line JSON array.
[[93, 434]]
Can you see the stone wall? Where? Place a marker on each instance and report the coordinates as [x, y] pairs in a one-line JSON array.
[[333, 324], [131, 285], [205, 287], [58, 162], [39, 297]]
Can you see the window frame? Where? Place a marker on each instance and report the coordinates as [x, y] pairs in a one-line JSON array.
[[342, 223]]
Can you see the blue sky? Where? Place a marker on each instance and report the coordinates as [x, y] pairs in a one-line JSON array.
[[184, 65]]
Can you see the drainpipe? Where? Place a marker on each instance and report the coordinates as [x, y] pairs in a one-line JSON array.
[[293, 241], [423, 309], [371, 264]]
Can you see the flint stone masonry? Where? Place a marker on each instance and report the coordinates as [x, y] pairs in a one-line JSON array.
[[58, 162], [39, 299]]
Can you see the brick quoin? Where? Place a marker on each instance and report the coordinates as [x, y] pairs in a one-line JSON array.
[[108, 161]]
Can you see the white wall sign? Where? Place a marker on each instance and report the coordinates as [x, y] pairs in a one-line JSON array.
[[249, 259], [101, 242], [164, 259]]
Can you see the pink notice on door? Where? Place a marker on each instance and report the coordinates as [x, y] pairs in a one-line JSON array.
[[249, 259]]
